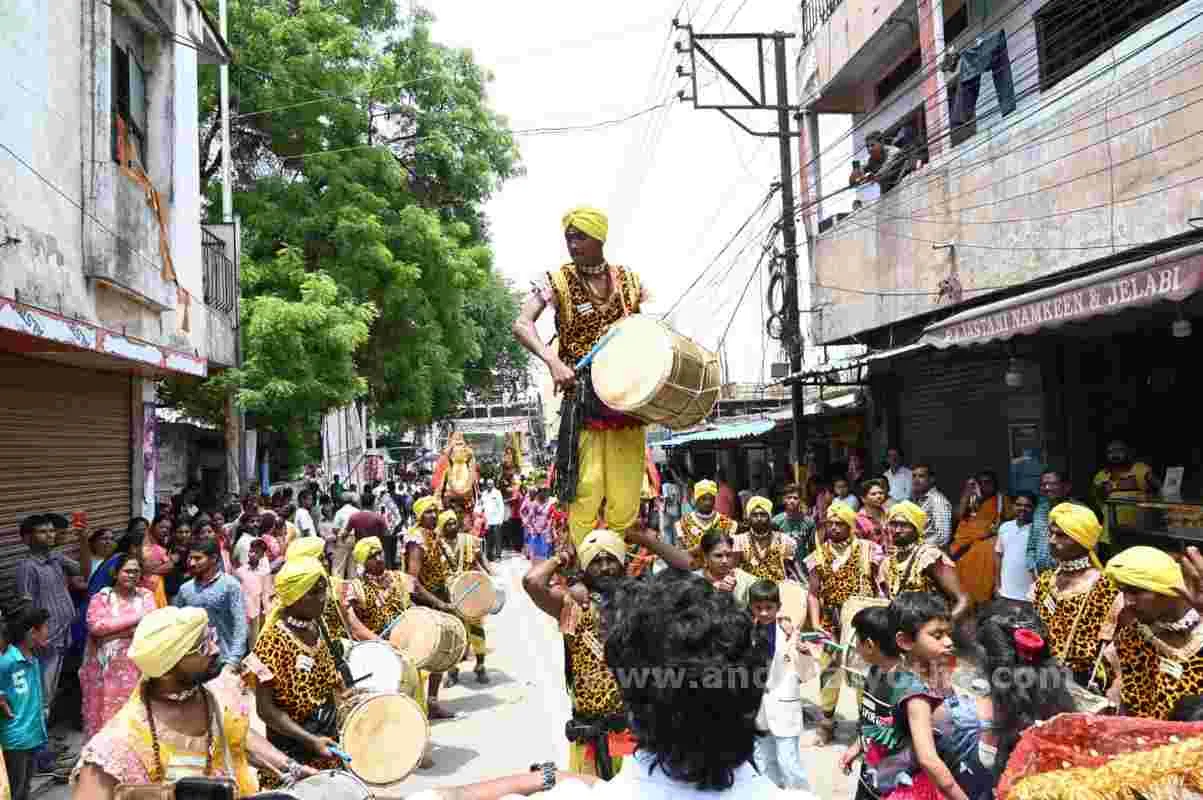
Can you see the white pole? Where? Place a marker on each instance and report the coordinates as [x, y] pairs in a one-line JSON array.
[[227, 188]]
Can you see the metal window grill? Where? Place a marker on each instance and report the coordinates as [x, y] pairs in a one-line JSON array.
[[814, 14], [221, 277]]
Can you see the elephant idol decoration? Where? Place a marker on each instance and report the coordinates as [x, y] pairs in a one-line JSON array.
[[457, 473]]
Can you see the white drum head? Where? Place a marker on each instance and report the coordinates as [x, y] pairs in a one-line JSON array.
[[378, 660], [634, 364]]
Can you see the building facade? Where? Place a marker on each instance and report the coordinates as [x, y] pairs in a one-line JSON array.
[[107, 280], [1034, 270]]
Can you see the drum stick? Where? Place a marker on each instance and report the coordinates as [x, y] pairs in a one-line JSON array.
[[343, 756], [592, 354]]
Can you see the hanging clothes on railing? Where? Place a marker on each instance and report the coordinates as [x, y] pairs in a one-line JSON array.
[[987, 53]]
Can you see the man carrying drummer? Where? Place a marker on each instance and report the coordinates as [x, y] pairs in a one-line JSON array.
[[434, 559], [604, 457], [598, 727]]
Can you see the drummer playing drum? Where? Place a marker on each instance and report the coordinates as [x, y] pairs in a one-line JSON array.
[[588, 296]]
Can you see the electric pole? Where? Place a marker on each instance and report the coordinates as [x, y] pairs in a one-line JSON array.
[[791, 334]]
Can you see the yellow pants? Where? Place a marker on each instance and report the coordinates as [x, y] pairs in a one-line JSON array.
[[611, 469], [476, 643], [831, 680], [420, 692], [583, 764]]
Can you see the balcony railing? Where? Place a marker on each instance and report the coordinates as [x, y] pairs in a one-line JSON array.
[[814, 14], [221, 276]]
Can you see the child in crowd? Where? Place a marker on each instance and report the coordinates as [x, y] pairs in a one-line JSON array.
[[777, 755], [254, 588], [843, 493], [22, 720], [1025, 684], [877, 744]]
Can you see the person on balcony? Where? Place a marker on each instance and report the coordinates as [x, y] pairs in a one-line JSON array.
[[887, 164]]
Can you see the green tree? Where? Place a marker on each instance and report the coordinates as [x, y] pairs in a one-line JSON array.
[[363, 152]]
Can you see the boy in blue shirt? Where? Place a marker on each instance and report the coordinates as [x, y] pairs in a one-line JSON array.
[[22, 716]]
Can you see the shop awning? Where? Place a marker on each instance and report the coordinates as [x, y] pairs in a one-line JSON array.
[[722, 433], [1172, 276]]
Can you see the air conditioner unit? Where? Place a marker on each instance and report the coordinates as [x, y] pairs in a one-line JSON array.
[[780, 370]]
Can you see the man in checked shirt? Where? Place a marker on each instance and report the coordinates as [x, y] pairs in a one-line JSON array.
[[934, 504]]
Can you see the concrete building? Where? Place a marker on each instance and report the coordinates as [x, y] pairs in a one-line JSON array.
[[107, 279], [1026, 291]]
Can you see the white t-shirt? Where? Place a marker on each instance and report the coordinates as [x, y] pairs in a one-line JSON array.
[[343, 515], [1012, 545], [634, 783], [304, 522]]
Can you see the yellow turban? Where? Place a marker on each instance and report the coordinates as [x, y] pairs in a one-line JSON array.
[[759, 504], [588, 221], [598, 542], [306, 547], [842, 513], [1080, 524], [165, 636], [366, 548], [910, 513], [444, 518], [703, 488], [425, 504], [1147, 568], [296, 578]]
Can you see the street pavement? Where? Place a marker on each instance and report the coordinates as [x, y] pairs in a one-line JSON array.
[[518, 719]]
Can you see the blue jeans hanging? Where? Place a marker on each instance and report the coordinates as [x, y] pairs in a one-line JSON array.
[[988, 53]]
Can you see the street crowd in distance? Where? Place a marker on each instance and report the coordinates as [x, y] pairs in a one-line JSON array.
[[975, 636]]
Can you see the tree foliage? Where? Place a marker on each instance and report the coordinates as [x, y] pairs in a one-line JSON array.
[[363, 152]]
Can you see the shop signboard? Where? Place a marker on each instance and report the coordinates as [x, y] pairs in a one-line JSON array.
[[1108, 292]]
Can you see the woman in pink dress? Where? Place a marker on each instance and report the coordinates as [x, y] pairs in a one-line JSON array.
[[871, 519], [156, 559], [107, 676]]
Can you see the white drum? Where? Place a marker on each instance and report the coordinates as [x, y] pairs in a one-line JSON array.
[[380, 662], [331, 785]]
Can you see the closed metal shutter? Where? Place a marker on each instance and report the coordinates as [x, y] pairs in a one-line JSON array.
[[64, 447], [953, 416]]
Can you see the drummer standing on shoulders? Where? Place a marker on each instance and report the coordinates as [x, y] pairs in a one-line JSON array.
[[434, 559], [598, 727], [703, 519], [763, 552], [588, 296]]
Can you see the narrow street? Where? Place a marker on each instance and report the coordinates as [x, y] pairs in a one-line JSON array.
[[518, 719]]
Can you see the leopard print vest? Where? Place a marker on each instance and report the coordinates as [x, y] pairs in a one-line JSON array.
[[580, 320]]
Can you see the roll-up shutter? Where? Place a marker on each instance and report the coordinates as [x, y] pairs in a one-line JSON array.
[[64, 447], [953, 416]]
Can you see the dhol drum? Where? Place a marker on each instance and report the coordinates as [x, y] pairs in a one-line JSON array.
[[381, 668], [434, 641], [384, 734], [855, 668], [653, 373], [472, 593], [330, 785]]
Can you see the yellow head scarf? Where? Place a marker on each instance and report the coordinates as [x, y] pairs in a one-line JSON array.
[[910, 513], [165, 636], [425, 504], [306, 547], [842, 513], [598, 542], [1080, 524], [1147, 568], [444, 518], [703, 488], [588, 221], [366, 548], [759, 504]]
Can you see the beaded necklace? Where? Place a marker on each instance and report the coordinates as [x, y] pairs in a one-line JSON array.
[[1074, 565], [160, 773]]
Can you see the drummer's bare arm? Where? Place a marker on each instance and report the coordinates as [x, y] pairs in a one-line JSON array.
[[523, 784], [359, 631], [946, 578], [673, 556], [264, 755], [528, 337], [812, 604], [537, 584], [94, 783], [274, 717]]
